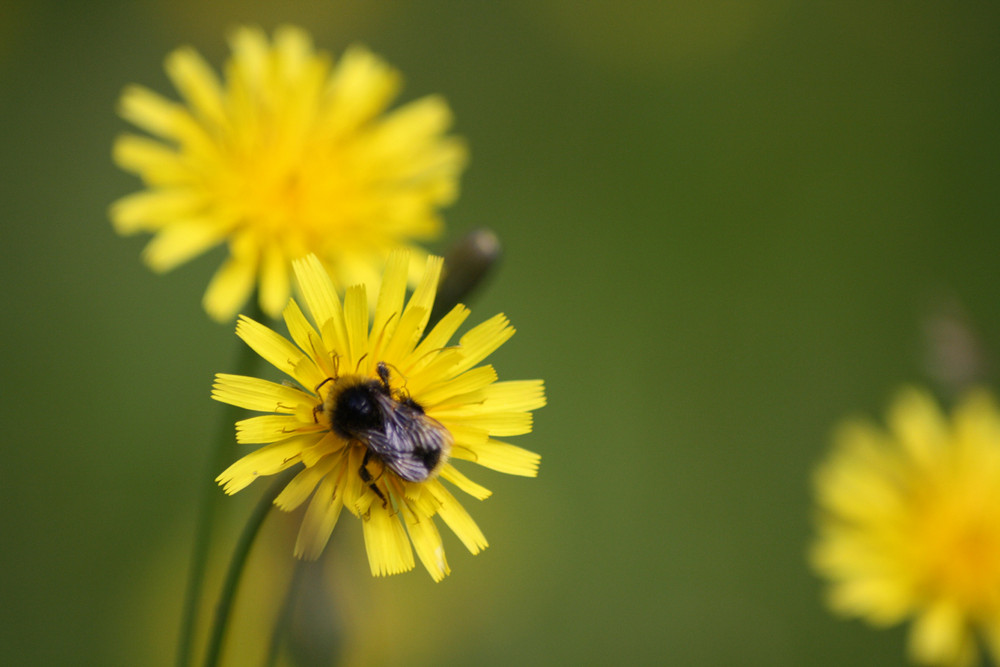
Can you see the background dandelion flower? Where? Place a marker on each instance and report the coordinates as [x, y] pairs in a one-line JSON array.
[[457, 399], [909, 525], [289, 154]]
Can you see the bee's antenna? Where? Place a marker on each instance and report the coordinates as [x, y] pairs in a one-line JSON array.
[[316, 390]]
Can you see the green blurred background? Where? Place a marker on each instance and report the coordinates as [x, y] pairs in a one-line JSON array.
[[724, 225]]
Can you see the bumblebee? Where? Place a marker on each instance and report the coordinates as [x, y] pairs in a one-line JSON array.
[[393, 428]]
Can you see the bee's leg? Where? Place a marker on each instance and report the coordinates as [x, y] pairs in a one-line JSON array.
[[367, 478]]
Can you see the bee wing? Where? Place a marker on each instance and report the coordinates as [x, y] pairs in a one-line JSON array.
[[412, 444]]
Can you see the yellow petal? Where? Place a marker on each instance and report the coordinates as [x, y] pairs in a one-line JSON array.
[[151, 209], [427, 543], [319, 520], [423, 296], [940, 636], [361, 86], [267, 460], [157, 163], [388, 547], [181, 240], [293, 47], [453, 514], [482, 340], [197, 83], [441, 393], [473, 347], [260, 395], [882, 601], [300, 330], [321, 300], [412, 128], [502, 457], [278, 351], [268, 428], [275, 286], [390, 300], [500, 423], [405, 335], [250, 55], [229, 288], [514, 395], [437, 339], [299, 487], [451, 474], [917, 422], [169, 120], [153, 112], [356, 321], [329, 445], [320, 364], [466, 437]]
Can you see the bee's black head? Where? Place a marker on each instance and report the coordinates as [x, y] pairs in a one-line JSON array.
[[357, 411]]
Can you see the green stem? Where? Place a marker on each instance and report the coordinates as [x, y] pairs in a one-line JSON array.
[[221, 457], [236, 565], [285, 615]]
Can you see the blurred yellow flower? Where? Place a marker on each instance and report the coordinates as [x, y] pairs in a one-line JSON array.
[[288, 155], [378, 415], [909, 525]]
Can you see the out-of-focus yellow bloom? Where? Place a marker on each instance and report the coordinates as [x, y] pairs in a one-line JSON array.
[[416, 391], [909, 525], [289, 154]]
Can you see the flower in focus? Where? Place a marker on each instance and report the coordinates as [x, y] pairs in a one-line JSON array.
[[909, 525], [379, 415], [289, 154]]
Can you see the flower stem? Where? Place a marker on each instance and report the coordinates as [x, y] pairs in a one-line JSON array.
[[285, 615], [221, 456], [236, 565]]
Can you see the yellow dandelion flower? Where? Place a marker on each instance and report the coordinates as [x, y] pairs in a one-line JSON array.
[[379, 414], [909, 525], [290, 154]]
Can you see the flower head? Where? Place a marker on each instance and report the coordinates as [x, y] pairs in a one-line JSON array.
[[909, 525], [288, 155], [379, 415]]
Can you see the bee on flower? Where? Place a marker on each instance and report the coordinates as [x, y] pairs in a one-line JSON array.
[[379, 414]]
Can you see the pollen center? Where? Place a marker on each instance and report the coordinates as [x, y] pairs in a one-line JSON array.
[[280, 197], [962, 547]]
